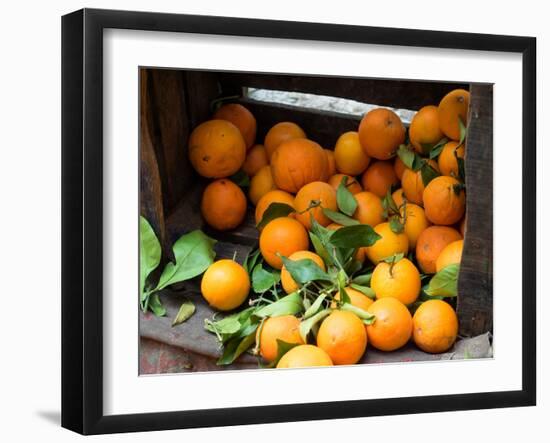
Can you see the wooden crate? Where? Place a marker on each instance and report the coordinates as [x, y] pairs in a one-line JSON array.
[[173, 102]]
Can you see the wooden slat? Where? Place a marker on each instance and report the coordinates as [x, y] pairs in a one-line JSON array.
[[151, 205], [475, 285], [171, 133], [324, 127], [201, 89], [403, 94]]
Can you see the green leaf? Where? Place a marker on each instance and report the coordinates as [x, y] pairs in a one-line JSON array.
[[389, 205], [237, 345], [428, 173], [463, 131], [345, 199], [395, 225], [364, 289], [363, 280], [320, 237], [352, 266], [394, 258], [149, 253], [273, 211], [418, 163], [342, 279], [305, 270], [445, 282], [406, 155], [338, 217], [367, 317], [354, 237], [229, 326], [320, 248], [156, 306], [314, 308], [344, 296], [460, 163], [187, 309], [306, 325], [251, 260], [194, 253], [289, 305], [240, 179], [263, 280], [436, 150], [282, 348]]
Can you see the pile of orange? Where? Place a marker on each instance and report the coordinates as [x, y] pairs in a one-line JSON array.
[[292, 169]]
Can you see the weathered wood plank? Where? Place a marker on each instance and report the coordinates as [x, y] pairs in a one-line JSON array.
[[171, 133], [201, 89], [403, 94], [151, 204], [475, 285]]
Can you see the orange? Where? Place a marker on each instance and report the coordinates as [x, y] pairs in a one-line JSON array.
[[430, 244], [415, 222], [242, 118], [413, 185], [225, 285], [280, 133], [303, 356], [452, 107], [400, 280], [379, 178], [398, 197], [399, 167], [448, 164], [390, 244], [298, 162], [285, 328], [216, 149], [451, 254], [343, 337], [289, 285], [380, 133], [331, 162], [369, 209], [261, 184], [275, 196], [357, 298], [316, 193], [442, 204], [349, 155], [393, 325], [334, 226], [223, 205], [424, 132], [256, 159], [435, 326], [353, 185], [283, 235]]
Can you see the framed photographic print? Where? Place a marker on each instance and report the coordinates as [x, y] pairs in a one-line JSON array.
[[261, 215]]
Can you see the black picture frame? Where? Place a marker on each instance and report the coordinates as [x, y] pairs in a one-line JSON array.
[[82, 218]]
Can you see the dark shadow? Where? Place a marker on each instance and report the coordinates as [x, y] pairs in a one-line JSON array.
[[54, 417]]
